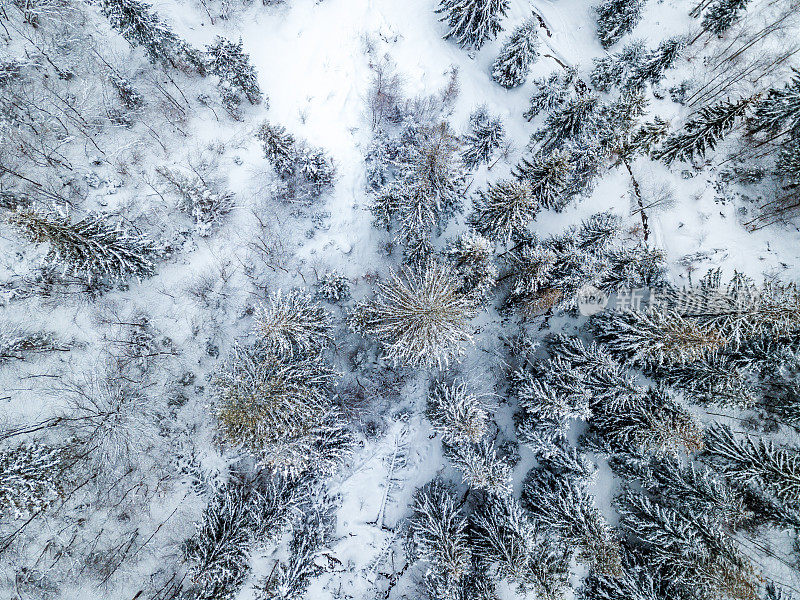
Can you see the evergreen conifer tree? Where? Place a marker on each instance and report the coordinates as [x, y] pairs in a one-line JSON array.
[[471, 255], [140, 26], [779, 111], [485, 138], [702, 131], [721, 14], [279, 148], [232, 65], [481, 468], [511, 67], [547, 175], [419, 315], [93, 247], [457, 415], [292, 324], [439, 538], [615, 18], [514, 549], [505, 209], [472, 22]]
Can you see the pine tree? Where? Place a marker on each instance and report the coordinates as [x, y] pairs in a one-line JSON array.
[[505, 209], [457, 415], [472, 22], [439, 538], [486, 135], [292, 324], [471, 255], [279, 409], [279, 148], [481, 468], [232, 65], [419, 316], [547, 176], [140, 26], [32, 476], [771, 468], [615, 18], [93, 247], [702, 131], [713, 380], [511, 67], [514, 549], [721, 14]]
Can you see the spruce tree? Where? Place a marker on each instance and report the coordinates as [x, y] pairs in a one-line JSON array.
[[419, 316], [472, 258], [760, 463], [563, 507], [569, 121], [514, 549], [484, 139], [511, 67], [205, 205], [140, 26], [779, 111], [232, 65], [505, 209], [552, 92], [439, 538], [292, 324], [615, 18], [547, 176], [721, 14], [702, 132], [472, 22], [94, 247], [279, 148], [481, 468]]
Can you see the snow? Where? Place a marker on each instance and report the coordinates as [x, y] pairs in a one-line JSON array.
[[313, 64]]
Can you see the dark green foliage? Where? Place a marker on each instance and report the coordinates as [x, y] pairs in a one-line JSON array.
[[615, 18], [238, 515], [232, 65], [94, 247], [779, 111], [759, 463], [511, 67], [552, 92], [547, 175], [472, 22], [721, 14], [515, 550], [140, 26], [562, 507], [702, 132], [484, 139]]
